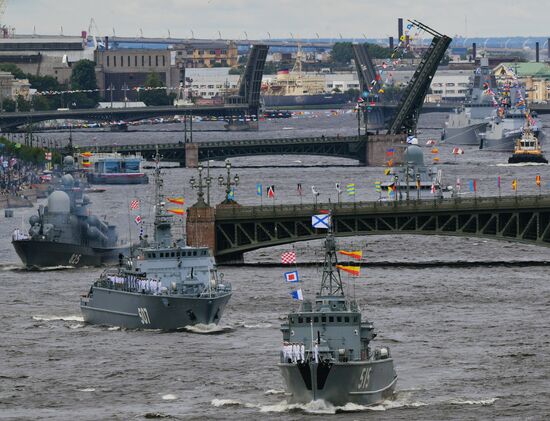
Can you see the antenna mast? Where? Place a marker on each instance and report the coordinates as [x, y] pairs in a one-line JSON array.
[[331, 283]]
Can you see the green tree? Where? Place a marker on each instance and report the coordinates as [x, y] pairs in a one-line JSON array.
[[154, 96], [23, 104], [13, 69], [83, 78], [341, 53], [41, 103], [8, 105]]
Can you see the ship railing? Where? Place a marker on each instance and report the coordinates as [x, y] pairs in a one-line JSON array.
[[19, 235]]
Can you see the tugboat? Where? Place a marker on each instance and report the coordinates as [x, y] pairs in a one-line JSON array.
[[332, 358], [65, 233], [527, 148], [164, 285]]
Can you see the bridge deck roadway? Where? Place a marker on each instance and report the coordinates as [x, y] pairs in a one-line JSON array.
[[522, 219]]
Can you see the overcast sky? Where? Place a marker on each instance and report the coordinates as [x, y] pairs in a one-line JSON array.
[[302, 18]]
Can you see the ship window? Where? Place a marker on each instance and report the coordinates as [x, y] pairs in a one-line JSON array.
[[173, 254], [300, 320], [346, 319], [194, 253], [308, 319], [154, 255], [331, 319], [316, 320], [323, 319], [339, 319], [162, 255]]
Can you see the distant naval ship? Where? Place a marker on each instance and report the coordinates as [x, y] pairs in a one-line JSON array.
[[464, 125], [164, 285], [65, 233], [326, 350]]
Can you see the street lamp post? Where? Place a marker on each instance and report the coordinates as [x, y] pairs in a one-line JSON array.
[[199, 185], [208, 181], [228, 183]]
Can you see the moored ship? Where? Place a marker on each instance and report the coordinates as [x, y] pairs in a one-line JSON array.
[[163, 285], [528, 149], [114, 168], [326, 352]]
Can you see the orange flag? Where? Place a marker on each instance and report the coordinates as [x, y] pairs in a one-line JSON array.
[[353, 270], [176, 211], [357, 255], [176, 200]]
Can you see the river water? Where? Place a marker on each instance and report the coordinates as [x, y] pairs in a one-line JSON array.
[[469, 341]]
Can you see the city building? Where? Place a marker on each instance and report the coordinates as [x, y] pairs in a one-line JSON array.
[[11, 88], [45, 55], [534, 76]]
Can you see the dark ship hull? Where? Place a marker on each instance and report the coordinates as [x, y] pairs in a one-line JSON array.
[[360, 382], [130, 178], [523, 158], [37, 254], [132, 310], [314, 100]]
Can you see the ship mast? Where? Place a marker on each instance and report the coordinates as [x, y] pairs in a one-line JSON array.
[[163, 236], [331, 283]]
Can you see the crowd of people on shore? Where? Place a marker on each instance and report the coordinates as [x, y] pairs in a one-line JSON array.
[[16, 175]]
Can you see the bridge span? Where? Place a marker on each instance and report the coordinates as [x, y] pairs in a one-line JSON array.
[[232, 230]]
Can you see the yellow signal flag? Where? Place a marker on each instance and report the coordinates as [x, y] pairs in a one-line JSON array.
[[538, 180], [176, 211], [387, 171], [357, 255], [352, 270], [390, 163], [514, 184], [176, 200]]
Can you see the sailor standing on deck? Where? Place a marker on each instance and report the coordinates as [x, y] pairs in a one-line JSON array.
[[302, 352]]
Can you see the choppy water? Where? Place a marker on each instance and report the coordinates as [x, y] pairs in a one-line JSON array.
[[469, 343]]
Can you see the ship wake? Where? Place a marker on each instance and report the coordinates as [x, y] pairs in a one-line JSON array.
[[207, 329]]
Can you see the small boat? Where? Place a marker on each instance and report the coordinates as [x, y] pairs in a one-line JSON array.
[[527, 149], [114, 168]]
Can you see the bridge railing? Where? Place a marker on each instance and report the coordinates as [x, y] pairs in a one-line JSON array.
[[390, 206]]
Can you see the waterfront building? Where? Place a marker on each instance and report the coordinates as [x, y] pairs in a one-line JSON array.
[[534, 76]]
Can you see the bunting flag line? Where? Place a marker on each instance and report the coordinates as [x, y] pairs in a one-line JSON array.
[[352, 270], [176, 200], [357, 255], [288, 257]]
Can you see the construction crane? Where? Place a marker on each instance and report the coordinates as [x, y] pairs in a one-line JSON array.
[[3, 28]]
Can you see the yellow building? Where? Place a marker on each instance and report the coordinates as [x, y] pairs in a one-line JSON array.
[[534, 76], [215, 54]]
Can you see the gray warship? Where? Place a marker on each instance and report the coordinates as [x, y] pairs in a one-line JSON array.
[[415, 180], [65, 233], [330, 356], [164, 284], [503, 131], [465, 124]]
